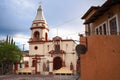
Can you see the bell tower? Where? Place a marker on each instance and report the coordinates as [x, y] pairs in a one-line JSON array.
[[39, 28]]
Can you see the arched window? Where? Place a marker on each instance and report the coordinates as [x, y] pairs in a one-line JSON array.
[[46, 36], [36, 35]]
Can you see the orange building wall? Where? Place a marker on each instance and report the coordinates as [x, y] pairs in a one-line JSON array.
[[102, 60]]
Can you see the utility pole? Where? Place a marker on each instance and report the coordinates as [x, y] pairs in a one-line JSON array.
[[23, 47]]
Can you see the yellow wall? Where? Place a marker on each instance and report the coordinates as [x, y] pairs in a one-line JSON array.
[[102, 60]]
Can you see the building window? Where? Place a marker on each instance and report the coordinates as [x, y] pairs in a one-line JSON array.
[[89, 30], [48, 47], [101, 29], [97, 31], [104, 29], [57, 48], [113, 26], [36, 24], [35, 47], [46, 36], [66, 46], [33, 25], [36, 35]]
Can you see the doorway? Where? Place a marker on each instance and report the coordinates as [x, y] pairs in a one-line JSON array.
[[57, 63]]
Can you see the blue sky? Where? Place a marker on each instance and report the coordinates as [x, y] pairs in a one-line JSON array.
[[16, 17]]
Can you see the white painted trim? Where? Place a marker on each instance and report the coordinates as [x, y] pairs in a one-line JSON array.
[[106, 27], [91, 32], [105, 22], [117, 23], [115, 16]]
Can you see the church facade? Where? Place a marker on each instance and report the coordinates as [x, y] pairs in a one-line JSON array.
[[45, 55]]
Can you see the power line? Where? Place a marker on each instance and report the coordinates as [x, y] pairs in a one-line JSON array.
[[65, 22], [68, 21]]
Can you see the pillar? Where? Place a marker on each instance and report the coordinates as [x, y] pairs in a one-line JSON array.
[[63, 63], [50, 68]]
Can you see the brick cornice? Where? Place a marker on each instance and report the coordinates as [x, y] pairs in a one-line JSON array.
[[39, 27]]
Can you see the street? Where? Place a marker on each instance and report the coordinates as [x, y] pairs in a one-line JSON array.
[[38, 77]]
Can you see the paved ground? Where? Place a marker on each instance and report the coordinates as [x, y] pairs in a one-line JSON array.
[[38, 77]]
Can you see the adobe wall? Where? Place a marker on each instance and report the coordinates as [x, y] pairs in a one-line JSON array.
[[102, 60]]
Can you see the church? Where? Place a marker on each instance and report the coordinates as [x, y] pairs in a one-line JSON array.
[[45, 55]]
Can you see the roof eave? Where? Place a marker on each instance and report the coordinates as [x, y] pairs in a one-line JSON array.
[[105, 7]]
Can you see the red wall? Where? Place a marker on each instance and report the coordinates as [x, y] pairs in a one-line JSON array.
[[102, 60]]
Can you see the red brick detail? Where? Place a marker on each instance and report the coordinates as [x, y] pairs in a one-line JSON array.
[[39, 27], [63, 64], [71, 66], [26, 64], [37, 72], [50, 73], [15, 67], [36, 58]]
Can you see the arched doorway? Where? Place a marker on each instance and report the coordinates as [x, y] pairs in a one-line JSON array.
[[57, 63]]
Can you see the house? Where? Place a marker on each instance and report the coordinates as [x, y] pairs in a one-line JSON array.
[[102, 30]]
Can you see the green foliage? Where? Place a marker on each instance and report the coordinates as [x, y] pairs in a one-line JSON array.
[[10, 52]]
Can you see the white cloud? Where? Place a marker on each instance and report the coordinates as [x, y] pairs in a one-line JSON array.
[[2, 37], [56, 13], [68, 30], [21, 39], [22, 7], [23, 3]]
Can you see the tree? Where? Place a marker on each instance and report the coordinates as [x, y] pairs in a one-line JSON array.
[[9, 54]]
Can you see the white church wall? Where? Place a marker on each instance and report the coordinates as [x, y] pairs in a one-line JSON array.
[[47, 48], [68, 46], [39, 51], [70, 58]]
